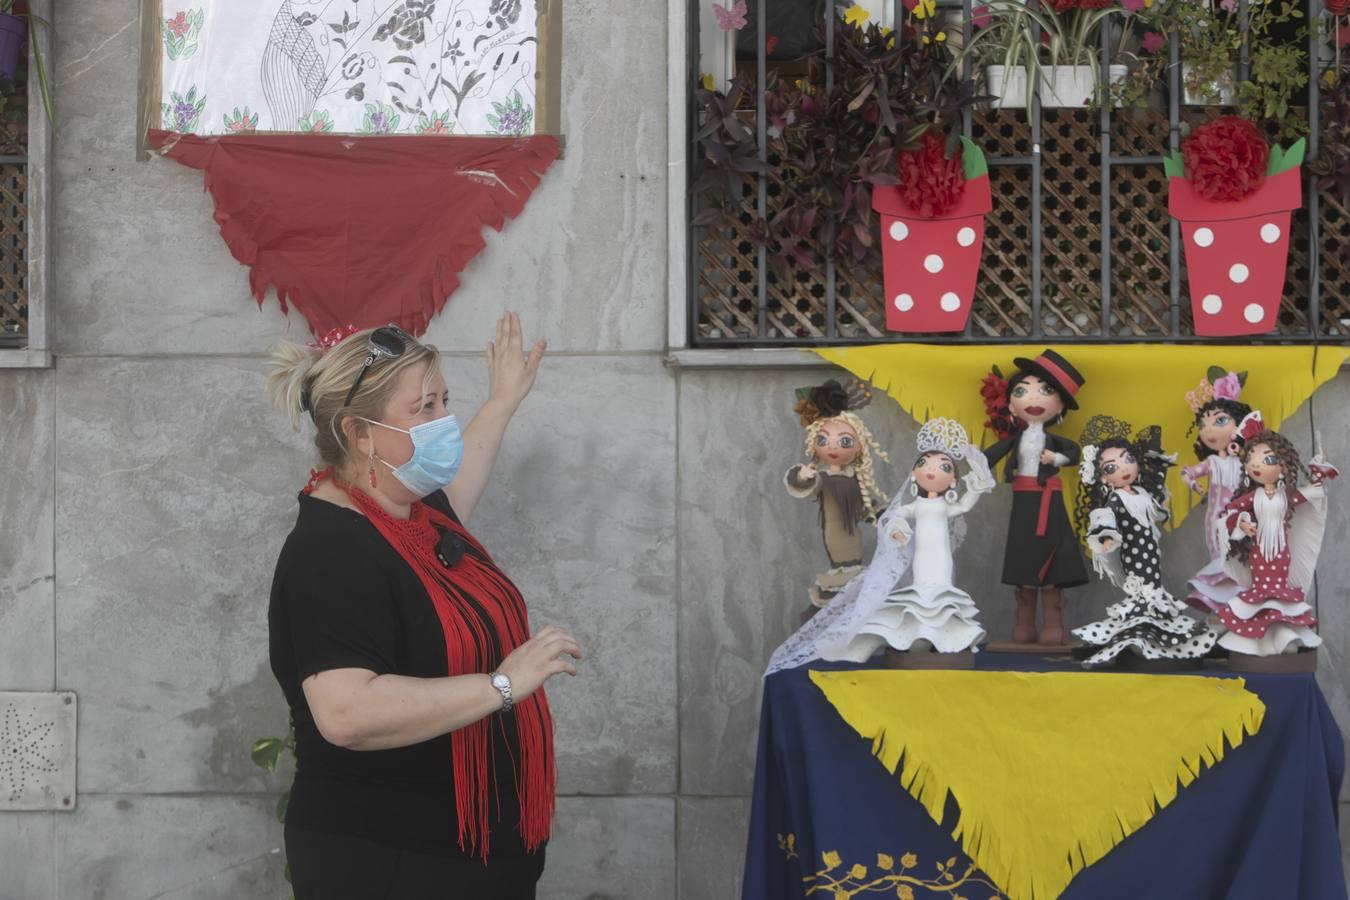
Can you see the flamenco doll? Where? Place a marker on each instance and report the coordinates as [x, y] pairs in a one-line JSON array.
[[1121, 501], [1041, 555], [918, 533], [1275, 532], [1220, 418], [839, 475]]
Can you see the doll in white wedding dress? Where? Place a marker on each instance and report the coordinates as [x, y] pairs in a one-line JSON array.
[[917, 535]]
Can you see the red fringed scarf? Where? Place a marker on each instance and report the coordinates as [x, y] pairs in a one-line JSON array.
[[360, 229], [467, 646]]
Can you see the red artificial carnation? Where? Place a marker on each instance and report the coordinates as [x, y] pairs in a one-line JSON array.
[[1225, 159], [930, 183], [1063, 6], [1336, 7]]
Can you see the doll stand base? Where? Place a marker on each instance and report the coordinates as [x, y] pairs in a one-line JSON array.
[[1031, 647], [1300, 663], [1133, 662], [904, 659]]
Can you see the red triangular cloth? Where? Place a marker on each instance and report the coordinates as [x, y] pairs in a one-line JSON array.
[[358, 230]]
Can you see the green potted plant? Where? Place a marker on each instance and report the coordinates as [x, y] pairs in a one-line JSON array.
[[1054, 45], [1210, 36], [13, 30]]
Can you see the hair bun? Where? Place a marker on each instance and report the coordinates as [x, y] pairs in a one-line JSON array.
[[290, 365]]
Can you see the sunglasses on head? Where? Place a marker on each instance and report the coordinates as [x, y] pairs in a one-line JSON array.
[[388, 342]]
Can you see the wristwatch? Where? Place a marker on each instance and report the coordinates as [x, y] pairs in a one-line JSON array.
[[503, 686]]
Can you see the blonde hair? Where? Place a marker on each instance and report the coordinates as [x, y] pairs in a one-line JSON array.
[[863, 467], [325, 377]]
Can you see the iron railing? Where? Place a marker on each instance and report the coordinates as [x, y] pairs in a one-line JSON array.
[[1175, 333]]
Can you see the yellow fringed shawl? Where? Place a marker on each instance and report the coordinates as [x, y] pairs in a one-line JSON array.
[[1050, 770]]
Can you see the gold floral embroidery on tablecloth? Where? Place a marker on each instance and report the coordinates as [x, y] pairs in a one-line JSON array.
[[838, 882]]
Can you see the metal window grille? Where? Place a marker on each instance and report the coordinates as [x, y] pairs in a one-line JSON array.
[[14, 215], [1079, 247]]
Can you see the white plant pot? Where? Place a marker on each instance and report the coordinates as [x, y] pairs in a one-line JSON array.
[[1224, 88], [1061, 86]]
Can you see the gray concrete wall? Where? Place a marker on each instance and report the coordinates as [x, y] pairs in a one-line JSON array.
[[151, 484]]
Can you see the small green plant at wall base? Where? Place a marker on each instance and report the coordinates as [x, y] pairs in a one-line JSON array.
[[266, 754]]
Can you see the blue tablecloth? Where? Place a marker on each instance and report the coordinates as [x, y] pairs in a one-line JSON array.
[[1261, 824]]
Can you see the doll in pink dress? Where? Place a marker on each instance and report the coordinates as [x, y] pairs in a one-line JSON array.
[[1274, 528], [1219, 415]]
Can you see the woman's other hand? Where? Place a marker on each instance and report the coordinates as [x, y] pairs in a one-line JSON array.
[[539, 659]]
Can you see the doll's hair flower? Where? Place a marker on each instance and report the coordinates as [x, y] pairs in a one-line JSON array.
[[1229, 386], [1087, 469]]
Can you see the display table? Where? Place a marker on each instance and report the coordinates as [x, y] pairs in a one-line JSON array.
[[830, 821]]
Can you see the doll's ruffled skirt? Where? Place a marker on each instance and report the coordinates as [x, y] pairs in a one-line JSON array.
[[943, 615], [1211, 589], [1148, 631]]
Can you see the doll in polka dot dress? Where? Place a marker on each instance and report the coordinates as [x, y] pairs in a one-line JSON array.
[[1275, 529], [1121, 501]]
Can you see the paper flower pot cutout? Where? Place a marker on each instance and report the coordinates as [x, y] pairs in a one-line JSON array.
[[930, 259], [1236, 249]]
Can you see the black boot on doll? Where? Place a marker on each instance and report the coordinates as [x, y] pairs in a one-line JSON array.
[[1041, 555]]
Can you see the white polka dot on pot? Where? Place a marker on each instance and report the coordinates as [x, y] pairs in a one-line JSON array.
[[950, 302], [1203, 237], [966, 236], [904, 302], [1253, 313], [933, 263], [1212, 304], [1270, 232], [1238, 273], [899, 231]]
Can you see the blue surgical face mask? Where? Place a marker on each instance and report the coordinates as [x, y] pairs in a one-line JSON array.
[[438, 447]]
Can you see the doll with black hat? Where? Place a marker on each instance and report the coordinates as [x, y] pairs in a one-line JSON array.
[[839, 475], [1041, 556]]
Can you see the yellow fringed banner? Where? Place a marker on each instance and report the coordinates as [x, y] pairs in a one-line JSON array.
[[1050, 770], [1144, 384]]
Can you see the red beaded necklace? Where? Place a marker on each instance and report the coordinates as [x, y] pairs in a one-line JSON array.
[[483, 617]]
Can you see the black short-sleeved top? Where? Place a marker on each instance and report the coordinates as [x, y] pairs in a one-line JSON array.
[[342, 597]]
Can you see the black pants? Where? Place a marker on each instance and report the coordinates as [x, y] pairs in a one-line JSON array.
[[337, 867]]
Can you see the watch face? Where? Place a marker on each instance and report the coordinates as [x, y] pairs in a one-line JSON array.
[[500, 681]]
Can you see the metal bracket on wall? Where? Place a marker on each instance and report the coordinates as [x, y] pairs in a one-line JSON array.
[[37, 750]]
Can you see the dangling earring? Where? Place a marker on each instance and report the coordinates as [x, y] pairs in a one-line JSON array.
[[952, 495], [372, 468], [913, 488]]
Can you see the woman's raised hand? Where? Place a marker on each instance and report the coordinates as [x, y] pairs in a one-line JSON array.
[[511, 372], [539, 659]]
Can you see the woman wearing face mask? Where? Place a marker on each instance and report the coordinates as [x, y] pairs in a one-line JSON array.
[[424, 758]]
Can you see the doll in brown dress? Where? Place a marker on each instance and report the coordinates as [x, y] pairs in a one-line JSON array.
[[838, 474]]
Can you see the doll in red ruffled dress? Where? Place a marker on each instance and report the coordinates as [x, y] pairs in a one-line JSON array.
[[1274, 528]]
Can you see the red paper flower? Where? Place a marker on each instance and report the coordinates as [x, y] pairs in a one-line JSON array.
[[930, 183], [1225, 159], [1336, 7], [1063, 6]]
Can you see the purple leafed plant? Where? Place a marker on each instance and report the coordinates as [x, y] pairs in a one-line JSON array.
[[827, 148]]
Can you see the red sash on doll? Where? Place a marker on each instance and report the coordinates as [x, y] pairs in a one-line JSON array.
[[1029, 483]]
